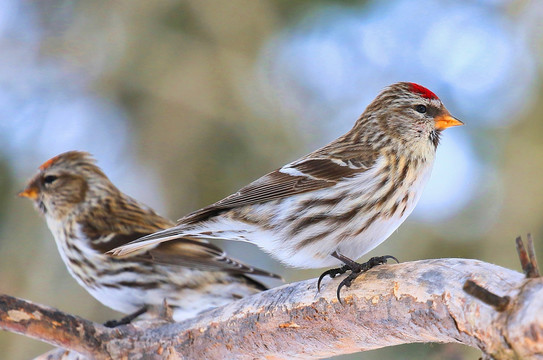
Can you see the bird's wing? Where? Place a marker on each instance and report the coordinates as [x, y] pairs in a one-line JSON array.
[[307, 174], [136, 221], [123, 219], [295, 178]]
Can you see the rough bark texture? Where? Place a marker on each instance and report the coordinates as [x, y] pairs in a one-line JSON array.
[[420, 301]]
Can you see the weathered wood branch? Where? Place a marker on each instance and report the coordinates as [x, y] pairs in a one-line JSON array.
[[53, 326], [420, 301]]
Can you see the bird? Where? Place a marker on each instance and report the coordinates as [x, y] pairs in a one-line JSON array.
[[337, 203], [88, 216]]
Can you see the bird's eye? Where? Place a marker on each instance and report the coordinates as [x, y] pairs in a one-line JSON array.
[[49, 179], [421, 108]]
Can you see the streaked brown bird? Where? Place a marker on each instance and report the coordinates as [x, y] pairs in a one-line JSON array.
[[89, 216], [337, 203]]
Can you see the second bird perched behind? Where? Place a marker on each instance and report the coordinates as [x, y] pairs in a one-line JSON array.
[[338, 202], [88, 216]]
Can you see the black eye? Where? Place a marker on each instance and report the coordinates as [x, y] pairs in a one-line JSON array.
[[49, 179], [421, 108]]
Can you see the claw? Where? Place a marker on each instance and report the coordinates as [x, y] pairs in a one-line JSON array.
[[386, 257], [327, 272], [338, 292], [347, 283], [355, 268], [332, 273], [125, 320]]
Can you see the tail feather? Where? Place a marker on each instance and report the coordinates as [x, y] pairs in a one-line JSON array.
[[150, 241], [181, 249]]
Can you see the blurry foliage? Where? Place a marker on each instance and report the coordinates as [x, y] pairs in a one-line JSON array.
[[291, 10], [6, 187], [186, 73]]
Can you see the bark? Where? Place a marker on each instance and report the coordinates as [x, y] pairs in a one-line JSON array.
[[497, 310]]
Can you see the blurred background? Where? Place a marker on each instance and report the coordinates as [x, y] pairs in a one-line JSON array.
[[184, 102]]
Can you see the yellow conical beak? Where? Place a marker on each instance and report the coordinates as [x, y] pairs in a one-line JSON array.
[[446, 121], [29, 192]]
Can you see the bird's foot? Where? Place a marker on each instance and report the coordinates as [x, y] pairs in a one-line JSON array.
[[125, 320], [332, 273], [355, 268]]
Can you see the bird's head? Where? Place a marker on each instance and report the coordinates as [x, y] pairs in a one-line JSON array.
[[63, 183], [408, 113]]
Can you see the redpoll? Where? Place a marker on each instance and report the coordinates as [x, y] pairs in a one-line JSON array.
[[338, 202], [89, 216]]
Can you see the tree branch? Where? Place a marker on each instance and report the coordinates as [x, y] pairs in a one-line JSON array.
[[53, 326], [420, 301]]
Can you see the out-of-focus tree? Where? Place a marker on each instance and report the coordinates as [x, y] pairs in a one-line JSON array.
[[183, 102]]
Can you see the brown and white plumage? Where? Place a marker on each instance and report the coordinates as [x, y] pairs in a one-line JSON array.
[[89, 216], [344, 198]]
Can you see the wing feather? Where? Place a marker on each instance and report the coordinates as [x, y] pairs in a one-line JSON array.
[[295, 178]]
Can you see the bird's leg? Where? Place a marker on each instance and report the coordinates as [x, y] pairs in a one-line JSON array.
[[125, 320], [355, 268]]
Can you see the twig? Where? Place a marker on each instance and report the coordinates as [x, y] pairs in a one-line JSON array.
[[498, 302], [531, 255], [528, 261]]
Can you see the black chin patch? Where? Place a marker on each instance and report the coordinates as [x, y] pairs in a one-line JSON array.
[[434, 137], [42, 207]]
